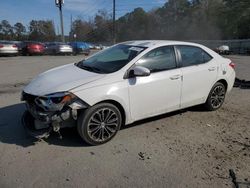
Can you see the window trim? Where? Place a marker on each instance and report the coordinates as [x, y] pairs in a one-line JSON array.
[[180, 57]]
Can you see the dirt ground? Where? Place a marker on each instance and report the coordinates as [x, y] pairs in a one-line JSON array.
[[188, 148]]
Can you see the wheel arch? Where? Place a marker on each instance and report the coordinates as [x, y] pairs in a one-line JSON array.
[[119, 106], [224, 82]]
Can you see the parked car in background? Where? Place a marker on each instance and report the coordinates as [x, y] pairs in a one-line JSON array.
[[98, 47], [31, 48], [223, 50], [19, 47], [123, 84], [91, 46], [105, 47], [8, 48], [80, 48], [55, 48]]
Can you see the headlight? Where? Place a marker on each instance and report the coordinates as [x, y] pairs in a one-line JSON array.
[[56, 101]]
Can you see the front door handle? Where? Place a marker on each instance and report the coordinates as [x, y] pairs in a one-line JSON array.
[[175, 77], [212, 69]]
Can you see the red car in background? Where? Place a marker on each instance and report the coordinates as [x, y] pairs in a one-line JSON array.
[[32, 48]]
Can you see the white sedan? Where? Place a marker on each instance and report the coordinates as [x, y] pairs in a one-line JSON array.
[[8, 48], [123, 84]]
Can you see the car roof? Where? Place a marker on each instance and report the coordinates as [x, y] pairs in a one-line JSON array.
[[153, 43], [5, 42], [31, 42], [77, 42]]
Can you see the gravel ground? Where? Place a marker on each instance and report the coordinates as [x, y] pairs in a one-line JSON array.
[[188, 148]]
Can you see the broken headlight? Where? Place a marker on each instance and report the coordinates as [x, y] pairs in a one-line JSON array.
[[56, 101]]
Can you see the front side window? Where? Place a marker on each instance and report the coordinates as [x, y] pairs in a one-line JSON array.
[[112, 59], [193, 56], [159, 59]]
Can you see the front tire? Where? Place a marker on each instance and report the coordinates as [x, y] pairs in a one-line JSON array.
[[99, 124], [216, 97]]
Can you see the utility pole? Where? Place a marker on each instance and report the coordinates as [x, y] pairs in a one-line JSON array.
[[59, 4], [114, 26]]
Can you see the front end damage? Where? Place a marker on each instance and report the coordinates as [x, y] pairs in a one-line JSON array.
[[50, 113]]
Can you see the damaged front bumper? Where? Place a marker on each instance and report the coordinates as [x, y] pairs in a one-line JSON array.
[[40, 119]]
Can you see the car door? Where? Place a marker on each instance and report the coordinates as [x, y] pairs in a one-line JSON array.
[[160, 91], [199, 71]]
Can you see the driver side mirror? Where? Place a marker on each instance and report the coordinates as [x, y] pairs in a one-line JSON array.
[[138, 71]]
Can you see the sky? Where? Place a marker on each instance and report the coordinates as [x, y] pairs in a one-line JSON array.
[[25, 10]]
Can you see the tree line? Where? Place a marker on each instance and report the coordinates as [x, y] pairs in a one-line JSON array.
[[176, 20], [38, 30]]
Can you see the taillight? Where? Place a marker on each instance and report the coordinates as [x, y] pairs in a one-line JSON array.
[[1, 46], [232, 65], [32, 46], [14, 46]]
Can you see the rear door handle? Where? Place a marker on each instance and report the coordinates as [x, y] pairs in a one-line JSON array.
[[212, 69], [175, 77]]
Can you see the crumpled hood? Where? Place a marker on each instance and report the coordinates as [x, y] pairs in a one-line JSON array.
[[63, 78]]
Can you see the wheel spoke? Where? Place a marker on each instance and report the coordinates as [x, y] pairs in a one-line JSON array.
[[221, 97], [213, 97], [112, 121], [95, 120], [222, 94], [94, 129], [102, 134], [93, 123], [107, 132], [108, 115], [214, 102], [111, 130], [99, 116], [111, 124], [103, 115]]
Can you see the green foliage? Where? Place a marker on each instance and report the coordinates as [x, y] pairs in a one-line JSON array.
[[134, 25], [6, 30], [20, 31], [99, 29], [38, 30], [236, 19], [42, 30], [189, 19]]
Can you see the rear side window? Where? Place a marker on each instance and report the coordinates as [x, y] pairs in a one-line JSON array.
[[193, 56], [159, 59]]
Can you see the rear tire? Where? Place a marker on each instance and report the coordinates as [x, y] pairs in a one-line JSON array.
[[216, 97], [99, 124]]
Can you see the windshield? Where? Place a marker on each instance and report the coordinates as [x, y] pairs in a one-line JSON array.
[[111, 60]]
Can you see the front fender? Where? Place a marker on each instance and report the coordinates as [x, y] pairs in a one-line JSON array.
[[116, 91]]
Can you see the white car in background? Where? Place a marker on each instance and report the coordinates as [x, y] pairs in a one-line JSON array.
[[8, 48], [223, 50], [123, 84]]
